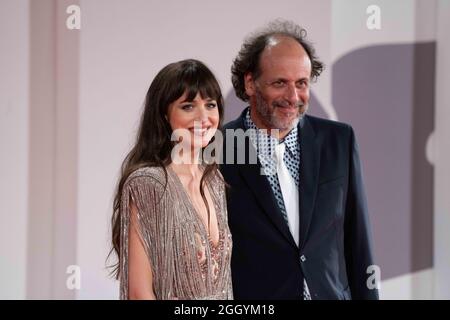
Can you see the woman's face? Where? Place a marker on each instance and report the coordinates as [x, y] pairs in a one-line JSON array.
[[198, 119]]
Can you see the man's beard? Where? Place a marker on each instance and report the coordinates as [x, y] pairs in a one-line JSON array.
[[269, 116]]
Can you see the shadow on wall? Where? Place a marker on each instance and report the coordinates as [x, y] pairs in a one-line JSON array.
[[386, 92]]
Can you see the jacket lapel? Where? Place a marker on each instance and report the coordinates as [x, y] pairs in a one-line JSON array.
[[259, 184], [309, 175], [262, 190]]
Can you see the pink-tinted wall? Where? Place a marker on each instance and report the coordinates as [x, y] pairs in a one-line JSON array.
[[71, 100]]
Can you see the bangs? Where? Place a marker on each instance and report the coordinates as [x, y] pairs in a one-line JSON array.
[[196, 79], [208, 89]]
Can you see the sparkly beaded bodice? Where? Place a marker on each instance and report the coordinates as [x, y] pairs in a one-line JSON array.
[[185, 262]]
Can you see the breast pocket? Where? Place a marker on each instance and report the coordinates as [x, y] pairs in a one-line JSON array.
[[331, 183], [330, 197]]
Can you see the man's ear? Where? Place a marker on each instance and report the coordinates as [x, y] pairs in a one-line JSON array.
[[249, 84]]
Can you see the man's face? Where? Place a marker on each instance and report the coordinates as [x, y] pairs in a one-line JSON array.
[[280, 95]]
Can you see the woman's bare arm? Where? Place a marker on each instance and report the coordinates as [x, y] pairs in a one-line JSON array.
[[140, 279]]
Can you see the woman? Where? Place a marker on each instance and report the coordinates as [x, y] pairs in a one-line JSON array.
[[170, 228]]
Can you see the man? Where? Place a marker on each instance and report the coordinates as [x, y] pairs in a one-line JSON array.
[[298, 216]]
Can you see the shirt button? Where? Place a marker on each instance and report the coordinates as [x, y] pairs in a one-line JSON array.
[[303, 258]]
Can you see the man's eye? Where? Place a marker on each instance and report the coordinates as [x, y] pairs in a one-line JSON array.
[[302, 84], [278, 83]]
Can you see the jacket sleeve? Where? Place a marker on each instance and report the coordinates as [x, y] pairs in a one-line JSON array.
[[357, 233]]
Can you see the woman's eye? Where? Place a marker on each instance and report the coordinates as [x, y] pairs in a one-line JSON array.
[[186, 107], [212, 105]]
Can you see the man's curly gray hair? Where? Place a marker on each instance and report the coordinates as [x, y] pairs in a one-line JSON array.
[[247, 59]]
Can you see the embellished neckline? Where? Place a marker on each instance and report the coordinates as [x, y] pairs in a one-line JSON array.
[[193, 210]]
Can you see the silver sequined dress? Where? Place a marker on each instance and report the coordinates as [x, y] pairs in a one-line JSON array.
[[184, 261]]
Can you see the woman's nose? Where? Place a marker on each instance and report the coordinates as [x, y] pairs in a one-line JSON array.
[[202, 115]]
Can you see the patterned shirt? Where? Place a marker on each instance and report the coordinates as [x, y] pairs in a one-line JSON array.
[[264, 144]]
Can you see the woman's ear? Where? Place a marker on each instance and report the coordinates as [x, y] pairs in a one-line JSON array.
[[249, 84]]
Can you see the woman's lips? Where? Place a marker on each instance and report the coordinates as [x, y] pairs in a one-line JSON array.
[[201, 132]]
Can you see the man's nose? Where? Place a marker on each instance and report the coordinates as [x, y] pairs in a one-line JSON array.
[[293, 95]]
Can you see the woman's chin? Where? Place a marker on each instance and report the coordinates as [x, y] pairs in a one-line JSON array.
[[201, 141], [202, 144]]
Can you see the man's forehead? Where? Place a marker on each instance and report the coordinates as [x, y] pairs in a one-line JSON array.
[[282, 42], [284, 49], [286, 66]]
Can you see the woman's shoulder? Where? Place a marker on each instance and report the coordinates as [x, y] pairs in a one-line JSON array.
[[148, 175], [217, 182], [216, 177]]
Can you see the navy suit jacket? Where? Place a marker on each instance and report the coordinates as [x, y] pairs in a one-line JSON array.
[[335, 240]]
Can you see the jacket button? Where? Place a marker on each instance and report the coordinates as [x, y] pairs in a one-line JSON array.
[[303, 258]]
